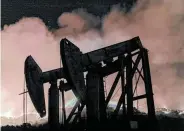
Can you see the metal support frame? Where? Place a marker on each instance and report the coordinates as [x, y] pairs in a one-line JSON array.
[[123, 84], [129, 87], [148, 84], [96, 111], [63, 108], [96, 102], [65, 87], [130, 67], [62, 88], [72, 112], [53, 116], [78, 114]]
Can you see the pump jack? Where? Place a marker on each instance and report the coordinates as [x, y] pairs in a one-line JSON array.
[[130, 54]]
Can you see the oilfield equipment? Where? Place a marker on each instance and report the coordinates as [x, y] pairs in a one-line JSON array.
[[124, 58]]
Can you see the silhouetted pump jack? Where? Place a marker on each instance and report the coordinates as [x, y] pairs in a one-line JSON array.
[[123, 58]]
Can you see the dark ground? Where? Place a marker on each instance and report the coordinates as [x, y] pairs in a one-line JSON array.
[[166, 123]]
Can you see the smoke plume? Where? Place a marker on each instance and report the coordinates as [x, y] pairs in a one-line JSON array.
[[159, 23]]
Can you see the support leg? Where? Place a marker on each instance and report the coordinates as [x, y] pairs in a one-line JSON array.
[[129, 89], [53, 116], [149, 91], [96, 111]]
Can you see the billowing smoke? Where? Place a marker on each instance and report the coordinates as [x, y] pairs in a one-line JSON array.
[[159, 23], [27, 37]]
